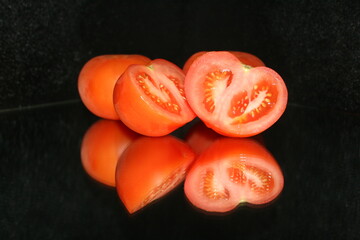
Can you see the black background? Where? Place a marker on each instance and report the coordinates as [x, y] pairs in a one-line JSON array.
[[313, 45]]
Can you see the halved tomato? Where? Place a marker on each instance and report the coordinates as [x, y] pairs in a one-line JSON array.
[[150, 168], [151, 99], [232, 98], [97, 79], [245, 58], [101, 148], [233, 171]]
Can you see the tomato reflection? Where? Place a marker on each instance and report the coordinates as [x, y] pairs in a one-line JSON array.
[[101, 147], [201, 137], [232, 171], [220, 172], [149, 168]]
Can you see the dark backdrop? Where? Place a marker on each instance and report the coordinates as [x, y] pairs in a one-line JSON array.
[[313, 45]]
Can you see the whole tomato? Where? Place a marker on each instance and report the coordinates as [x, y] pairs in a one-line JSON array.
[[97, 79]]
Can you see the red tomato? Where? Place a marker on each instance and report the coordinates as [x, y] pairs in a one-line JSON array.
[[151, 100], [232, 98], [200, 137], [245, 58], [233, 171], [97, 80], [102, 145], [149, 168]]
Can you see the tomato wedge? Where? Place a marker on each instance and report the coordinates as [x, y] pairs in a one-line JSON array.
[[150, 168], [245, 58], [102, 145], [233, 171], [151, 99], [97, 79], [232, 98]]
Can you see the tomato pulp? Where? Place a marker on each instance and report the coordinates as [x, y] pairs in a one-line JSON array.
[[150, 99], [232, 98], [97, 79], [233, 171], [245, 58], [150, 168], [102, 145]]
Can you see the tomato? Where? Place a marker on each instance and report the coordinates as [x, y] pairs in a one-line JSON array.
[[151, 100], [150, 168], [245, 58], [233, 171], [102, 145], [200, 137], [97, 79], [232, 98]]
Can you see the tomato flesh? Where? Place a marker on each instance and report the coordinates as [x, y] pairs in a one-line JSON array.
[[151, 99], [150, 168], [233, 171], [232, 98]]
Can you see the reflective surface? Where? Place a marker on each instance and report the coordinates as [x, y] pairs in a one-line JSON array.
[[45, 192]]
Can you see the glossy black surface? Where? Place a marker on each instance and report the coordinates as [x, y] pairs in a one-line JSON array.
[[313, 45], [46, 194]]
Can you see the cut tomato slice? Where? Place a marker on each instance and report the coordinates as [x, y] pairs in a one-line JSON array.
[[233, 171], [101, 148], [151, 99], [150, 168], [232, 98], [245, 58]]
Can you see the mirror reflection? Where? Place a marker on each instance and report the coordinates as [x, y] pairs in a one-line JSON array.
[[219, 173]]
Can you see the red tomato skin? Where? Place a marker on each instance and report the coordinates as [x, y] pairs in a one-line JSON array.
[[97, 79], [138, 113], [217, 123], [102, 145], [245, 58], [200, 137], [148, 164], [218, 155]]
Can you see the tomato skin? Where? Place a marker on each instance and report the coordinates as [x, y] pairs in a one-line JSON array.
[[245, 58], [248, 89], [200, 137], [150, 168], [222, 155], [138, 111], [97, 79], [102, 145]]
